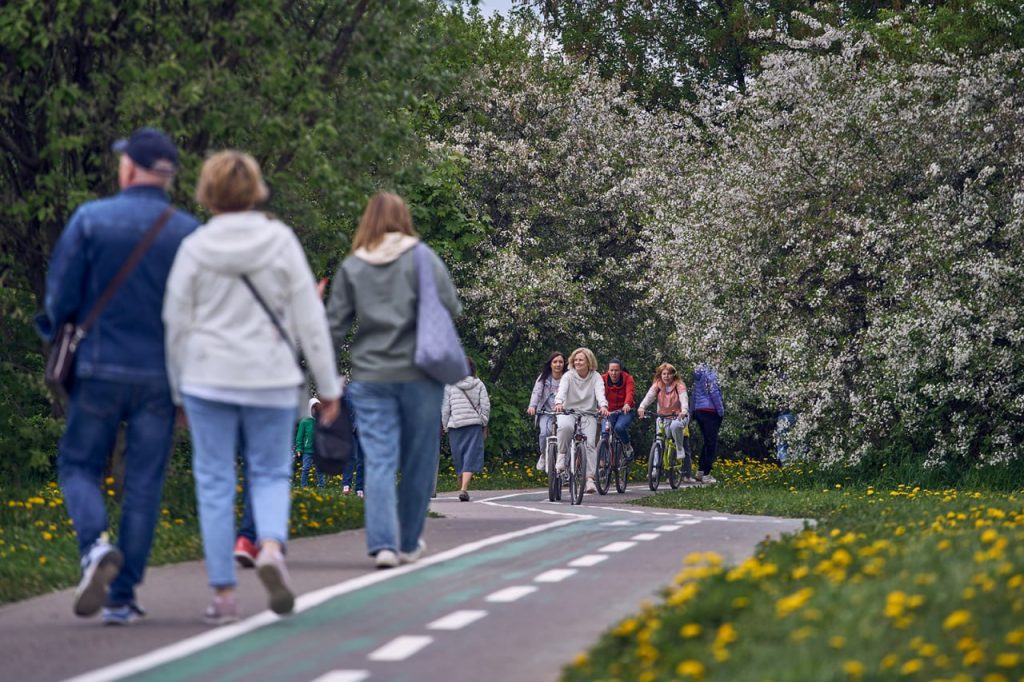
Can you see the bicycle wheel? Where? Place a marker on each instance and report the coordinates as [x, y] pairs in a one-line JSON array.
[[554, 480], [621, 468], [654, 465], [605, 464], [675, 475], [579, 472]]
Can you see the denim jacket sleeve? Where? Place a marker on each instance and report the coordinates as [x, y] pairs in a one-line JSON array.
[[65, 280]]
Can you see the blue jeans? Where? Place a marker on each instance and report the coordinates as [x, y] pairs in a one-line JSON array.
[[247, 524], [307, 464], [95, 412], [620, 423], [267, 432], [355, 469], [398, 426]]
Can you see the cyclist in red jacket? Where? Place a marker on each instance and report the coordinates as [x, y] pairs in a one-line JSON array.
[[619, 389]]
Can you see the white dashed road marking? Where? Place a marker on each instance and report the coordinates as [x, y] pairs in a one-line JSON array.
[[344, 676], [510, 594], [400, 648], [555, 575], [646, 536], [617, 547], [689, 522], [719, 518], [588, 560], [617, 523], [456, 620], [667, 529]]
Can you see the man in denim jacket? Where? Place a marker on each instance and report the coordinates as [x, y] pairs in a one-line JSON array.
[[120, 374]]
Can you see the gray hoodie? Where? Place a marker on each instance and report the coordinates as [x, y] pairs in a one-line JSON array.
[[379, 288]]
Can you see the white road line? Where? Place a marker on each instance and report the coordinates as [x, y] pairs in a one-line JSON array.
[[555, 575], [620, 509], [619, 523], [456, 620], [689, 522], [588, 560], [574, 516], [646, 536], [661, 513], [719, 518], [510, 594], [617, 547], [400, 648], [344, 676], [191, 645], [667, 529], [685, 516]]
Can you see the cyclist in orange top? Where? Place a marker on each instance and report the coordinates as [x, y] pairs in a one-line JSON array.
[[670, 392], [619, 389]]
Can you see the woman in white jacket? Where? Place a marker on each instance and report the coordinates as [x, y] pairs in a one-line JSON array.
[[581, 389], [232, 361], [464, 414]]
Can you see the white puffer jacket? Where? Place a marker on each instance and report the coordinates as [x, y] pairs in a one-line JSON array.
[[465, 404]]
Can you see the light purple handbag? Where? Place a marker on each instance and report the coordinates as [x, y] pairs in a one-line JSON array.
[[439, 352]]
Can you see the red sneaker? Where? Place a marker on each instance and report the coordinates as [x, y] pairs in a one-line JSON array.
[[246, 552]]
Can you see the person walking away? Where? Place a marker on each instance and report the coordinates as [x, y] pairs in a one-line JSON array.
[[542, 399], [619, 388], [304, 444], [465, 410], [581, 389], [354, 472], [670, 393], [397, 406], [241, 300], [119, 372], [709, 411]]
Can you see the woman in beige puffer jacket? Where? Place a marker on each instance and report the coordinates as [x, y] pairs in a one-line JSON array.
[[464, 414]]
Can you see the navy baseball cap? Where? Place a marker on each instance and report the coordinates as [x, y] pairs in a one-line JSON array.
[[151, 149]]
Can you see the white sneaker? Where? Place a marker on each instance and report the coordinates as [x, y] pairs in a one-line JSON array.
[[345, 490], [540, 464], [708, 478], [359, 493], [413, 556], [699, 477], [591, 487], [385, 558], [99, 568]]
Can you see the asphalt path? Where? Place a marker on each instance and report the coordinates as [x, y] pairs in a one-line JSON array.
[[512, 588]]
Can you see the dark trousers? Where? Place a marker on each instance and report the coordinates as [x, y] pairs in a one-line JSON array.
[[95, 412], [709, 423]]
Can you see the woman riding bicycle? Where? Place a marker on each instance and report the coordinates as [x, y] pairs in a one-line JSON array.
[[580, 390], [543, 398], [670, 392]]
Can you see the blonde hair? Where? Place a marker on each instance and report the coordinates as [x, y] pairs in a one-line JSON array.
[[385, 212], [231, 181], [661, 368], [588, 354]]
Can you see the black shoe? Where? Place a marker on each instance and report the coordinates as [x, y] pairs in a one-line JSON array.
[[463, 496]]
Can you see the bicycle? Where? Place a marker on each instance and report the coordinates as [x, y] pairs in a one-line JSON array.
[[611, 458], [577, 456], [663, 456], [550, 454]]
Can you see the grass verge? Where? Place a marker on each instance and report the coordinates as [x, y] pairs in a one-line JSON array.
[[894, 583]]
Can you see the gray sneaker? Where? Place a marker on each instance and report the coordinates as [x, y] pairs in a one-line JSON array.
[[708, 478], [413, 556], [222, 610], [274, 576], [99, 568], [699, 477]]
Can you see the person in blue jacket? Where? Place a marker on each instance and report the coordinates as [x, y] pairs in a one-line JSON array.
[[708, 410], [120, 372]]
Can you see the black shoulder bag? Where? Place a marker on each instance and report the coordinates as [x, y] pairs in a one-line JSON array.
[[332, 443]]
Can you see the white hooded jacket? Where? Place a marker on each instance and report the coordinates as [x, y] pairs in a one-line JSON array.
[[218, 335]]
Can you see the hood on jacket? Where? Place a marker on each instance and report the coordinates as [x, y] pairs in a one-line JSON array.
[[239, 243], [466, 383], [391, 247], [312, 402]]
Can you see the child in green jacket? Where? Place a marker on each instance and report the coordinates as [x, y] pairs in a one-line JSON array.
[[304, 444]]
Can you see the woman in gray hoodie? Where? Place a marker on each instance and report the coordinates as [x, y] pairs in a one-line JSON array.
[[464, 415], [582, 390], [397, 406]]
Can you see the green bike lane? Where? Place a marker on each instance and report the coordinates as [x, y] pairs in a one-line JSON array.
[[577, 570]]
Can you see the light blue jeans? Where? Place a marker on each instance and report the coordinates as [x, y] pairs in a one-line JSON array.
[[399, 427], [267, 433]]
